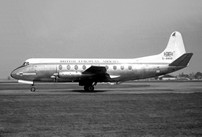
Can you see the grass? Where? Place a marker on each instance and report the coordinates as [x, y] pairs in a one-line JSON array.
[[101, 115]]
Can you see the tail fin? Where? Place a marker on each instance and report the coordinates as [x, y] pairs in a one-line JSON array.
[[175, 48], [174, 53]]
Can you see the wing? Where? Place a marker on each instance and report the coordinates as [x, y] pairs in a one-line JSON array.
[[95, 70], [96, 73]]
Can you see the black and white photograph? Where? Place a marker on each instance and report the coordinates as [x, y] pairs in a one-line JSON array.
[[100, 68]]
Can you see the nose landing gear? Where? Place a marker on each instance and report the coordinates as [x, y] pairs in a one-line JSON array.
[[33, 88]]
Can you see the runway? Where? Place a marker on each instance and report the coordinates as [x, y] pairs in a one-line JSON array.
[[130, 109], [139, 87]]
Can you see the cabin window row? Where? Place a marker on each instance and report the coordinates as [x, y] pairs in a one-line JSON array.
[[76, 67]]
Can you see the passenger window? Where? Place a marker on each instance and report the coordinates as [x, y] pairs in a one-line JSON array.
[[129, 67], [107, 67], [114, 67], [84, 67], [60, 67], [122, 67], [68, 67], [75, 67]]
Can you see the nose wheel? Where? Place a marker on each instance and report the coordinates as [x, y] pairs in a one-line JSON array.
[[32, 89]]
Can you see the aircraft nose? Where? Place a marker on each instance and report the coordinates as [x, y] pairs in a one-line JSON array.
[[14, 74]]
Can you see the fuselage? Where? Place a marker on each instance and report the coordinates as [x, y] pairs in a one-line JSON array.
[[70, 70]]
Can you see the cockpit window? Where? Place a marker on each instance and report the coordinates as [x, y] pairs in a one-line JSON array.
[[25, 63]]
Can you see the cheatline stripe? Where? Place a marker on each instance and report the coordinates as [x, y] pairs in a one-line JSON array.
[[29, 74]]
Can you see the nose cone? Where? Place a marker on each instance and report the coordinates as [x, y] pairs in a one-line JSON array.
[[14, 74]]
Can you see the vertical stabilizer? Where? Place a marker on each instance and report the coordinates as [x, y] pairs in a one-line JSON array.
[[174, 49]]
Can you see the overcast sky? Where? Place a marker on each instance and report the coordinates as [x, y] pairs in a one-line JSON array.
[[95, 29]]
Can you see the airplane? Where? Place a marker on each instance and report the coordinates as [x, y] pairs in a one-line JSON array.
[[88, 72]]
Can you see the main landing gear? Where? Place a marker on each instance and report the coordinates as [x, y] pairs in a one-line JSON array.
[[88, 86]]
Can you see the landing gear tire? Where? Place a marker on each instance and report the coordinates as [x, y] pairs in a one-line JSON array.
[[32, 89], [89, 88]]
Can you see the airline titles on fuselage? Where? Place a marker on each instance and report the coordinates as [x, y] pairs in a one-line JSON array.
[[89, 61]]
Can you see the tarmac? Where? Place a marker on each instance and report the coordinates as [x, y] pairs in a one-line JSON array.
[[130, 109], [137, 87]]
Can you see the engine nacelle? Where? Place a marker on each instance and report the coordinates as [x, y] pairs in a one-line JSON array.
[[69, 74]]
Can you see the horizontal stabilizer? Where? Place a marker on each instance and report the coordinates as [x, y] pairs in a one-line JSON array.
[[182, 60]]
